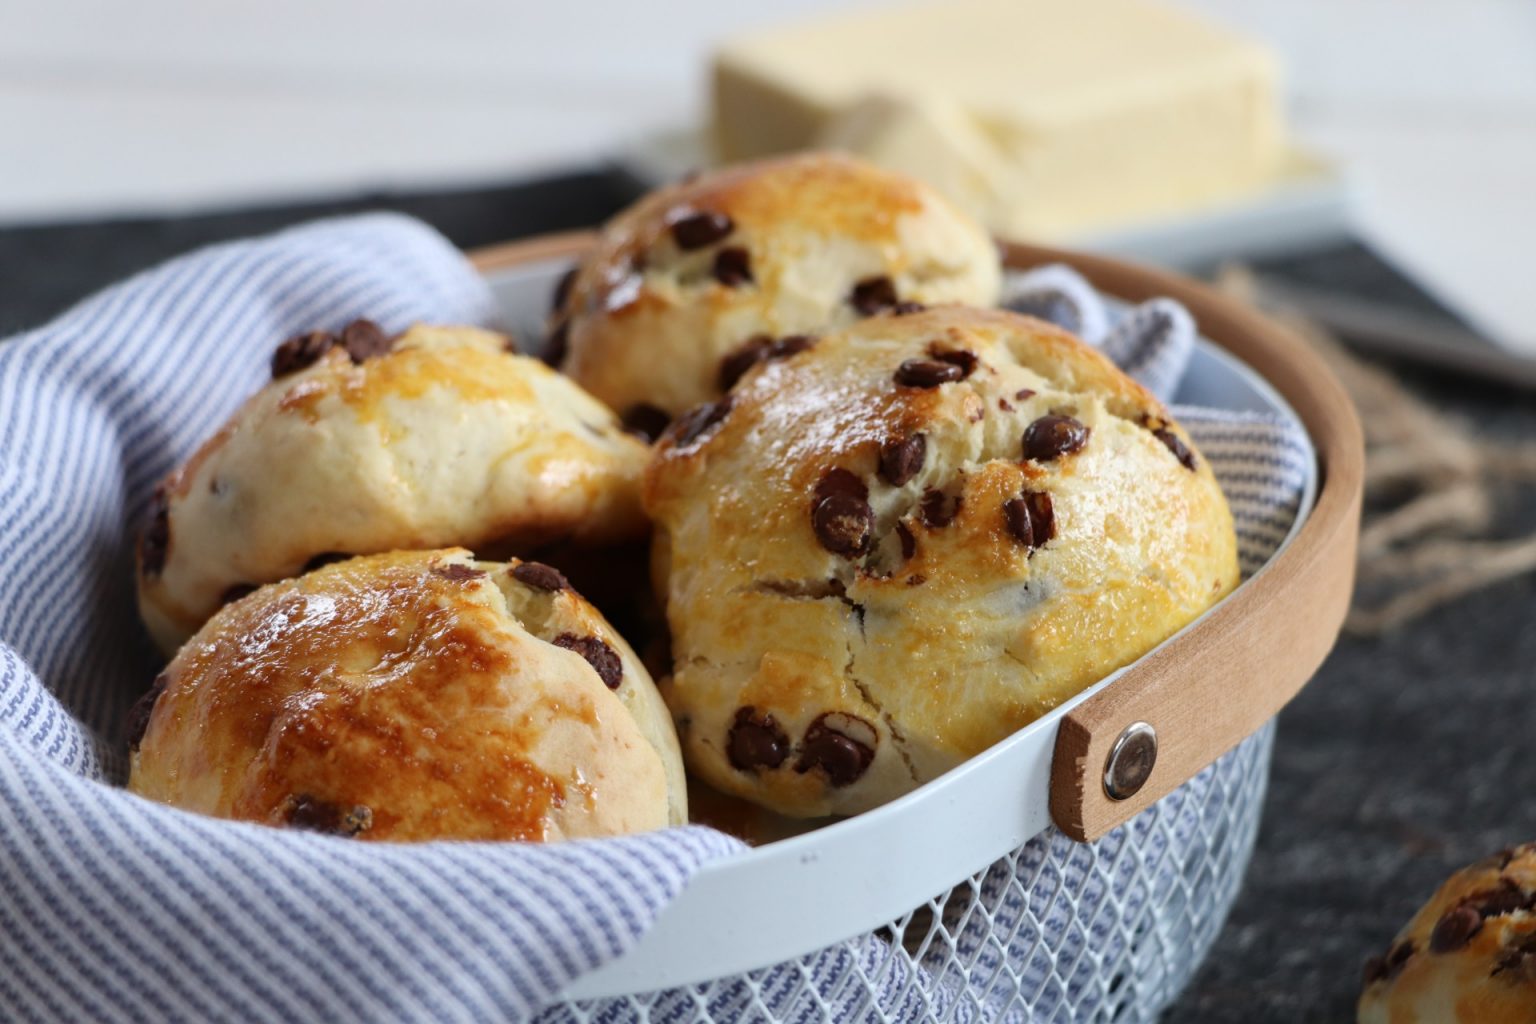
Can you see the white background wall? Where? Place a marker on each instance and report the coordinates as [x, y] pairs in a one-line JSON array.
[[114, 106]]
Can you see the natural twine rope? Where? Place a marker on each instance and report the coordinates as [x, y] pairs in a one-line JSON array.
[[1429, 488]]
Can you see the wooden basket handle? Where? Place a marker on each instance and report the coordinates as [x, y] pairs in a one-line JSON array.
[[1207, 690]]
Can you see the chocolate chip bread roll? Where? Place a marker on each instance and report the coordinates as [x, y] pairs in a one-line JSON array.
[[413, 696], [364, 443], [1469, 954], [689, 286], [885, 552]]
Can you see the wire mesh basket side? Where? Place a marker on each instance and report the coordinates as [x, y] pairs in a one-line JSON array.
[[1054, 931]]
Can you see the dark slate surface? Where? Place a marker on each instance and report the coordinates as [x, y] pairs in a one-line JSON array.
[[1408, 756]]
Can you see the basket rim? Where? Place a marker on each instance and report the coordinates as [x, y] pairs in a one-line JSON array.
[[1309, 577]]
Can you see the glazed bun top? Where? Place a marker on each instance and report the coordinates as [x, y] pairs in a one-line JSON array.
[[685, 285], [437, 437], [413, 696]]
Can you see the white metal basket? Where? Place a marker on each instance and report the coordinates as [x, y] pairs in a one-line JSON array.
[[1055, 930], [1014, 888]]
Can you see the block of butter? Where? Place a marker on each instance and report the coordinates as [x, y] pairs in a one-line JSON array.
[[1045, 119]]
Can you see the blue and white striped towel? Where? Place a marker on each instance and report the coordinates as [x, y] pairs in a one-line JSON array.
[[113, 908]]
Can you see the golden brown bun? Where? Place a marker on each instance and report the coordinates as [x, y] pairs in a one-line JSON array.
[[413, 696], [442, 439], [688, 275], [868, 581], [1469, 954]]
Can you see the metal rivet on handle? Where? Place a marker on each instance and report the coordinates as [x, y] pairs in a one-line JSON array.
[[1130, 761]]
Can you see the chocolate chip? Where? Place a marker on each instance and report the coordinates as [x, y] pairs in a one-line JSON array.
[[1505, 900], [733, 267], [539, 576], [902, 460], [364, 339], [604, 661], [873, 294], [299, 352], [790, 345], [136, 722], [759, 349], [908, 542], [457, 572], [1030, 519], [646, 420], [840, 481], [937, 509], [927, 373], [563, 289], [236, 592], [735, 364], [155, 541], [755, 741], [826, 748], [1379, 968], [1005, 405], [324, 558], [701, 229], [957, 357], [1177, 446], [1053, 436], [1525, 943], [916, 580], [1016, 512], [1042, 514], [1024, 394], [1455, 929], [694, 423], [316, 815], [557, 344], [840, 513], [843, 524], [903, 308], [1521, 957]]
